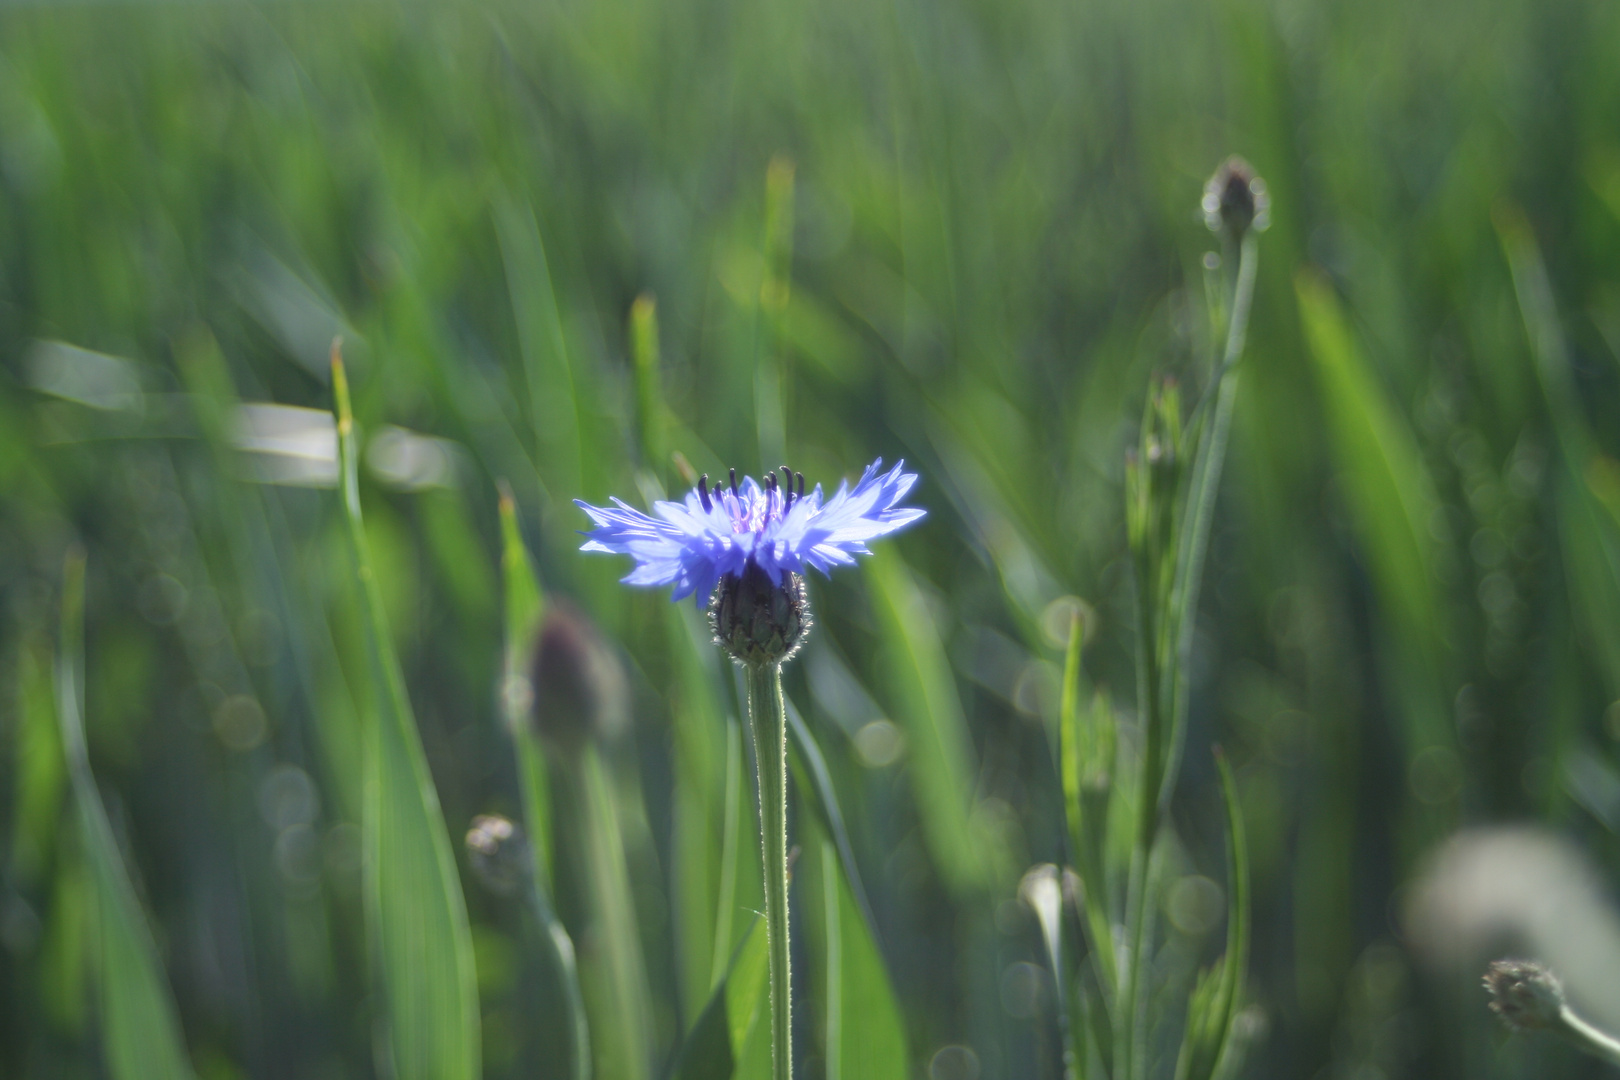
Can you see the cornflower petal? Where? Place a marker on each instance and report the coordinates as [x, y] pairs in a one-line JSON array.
[[693, 547]]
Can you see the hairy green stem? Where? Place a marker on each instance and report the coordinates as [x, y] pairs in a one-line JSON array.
[[767, 719]]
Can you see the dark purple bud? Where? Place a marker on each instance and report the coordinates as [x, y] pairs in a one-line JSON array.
[[580, 692]]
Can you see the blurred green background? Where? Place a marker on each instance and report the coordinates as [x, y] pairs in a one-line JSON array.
[[957, 232]]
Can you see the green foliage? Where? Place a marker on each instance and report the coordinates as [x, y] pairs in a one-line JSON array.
[[140, 1027], [418, 917], [927, 704], [595, 249]]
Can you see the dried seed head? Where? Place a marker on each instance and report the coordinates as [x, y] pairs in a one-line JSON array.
[[1235, 200], [1524, 994], [579, 687], [757, 620]]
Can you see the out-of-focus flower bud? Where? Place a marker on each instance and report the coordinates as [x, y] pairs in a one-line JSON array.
[[1524, 994], [1153, 474], [1235, 200], [498, 852], [579, 687]]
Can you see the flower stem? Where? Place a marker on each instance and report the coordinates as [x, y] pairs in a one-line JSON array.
[[767, 720], [1589, 1037]]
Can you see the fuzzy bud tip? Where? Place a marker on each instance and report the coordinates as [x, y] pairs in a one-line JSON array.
[[578, 686], [1524, 994], [1236, 200]]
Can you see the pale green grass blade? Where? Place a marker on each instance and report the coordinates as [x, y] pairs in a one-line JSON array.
[[553, 397], [748, 1006], [1086, 749], [614, 972], [140, 1027], [523, 609], [650, 408], [1235, 964], [708, 1052], [815, 784], [735, 850], [1391, 499], [1208, 1049], [1388, 486], [925, 701], [40, 766], [417, 916], [1589, 526], [707, 789], [866, 1038]]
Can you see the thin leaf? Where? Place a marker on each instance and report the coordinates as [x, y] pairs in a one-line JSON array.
[[42, 775], [817, 783], [141, 1035], [1391, 497], [1589, 528], [708, 1051], [1208, 1049], [523, 609], [416, 912], [866, 1038], [748, 1006], [1086, 752], [925, 702], [553, 398]]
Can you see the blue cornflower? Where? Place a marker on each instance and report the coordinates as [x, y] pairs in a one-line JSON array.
[[717, 534]]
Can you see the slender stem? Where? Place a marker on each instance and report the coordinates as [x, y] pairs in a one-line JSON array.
[[767, 719], [1164, 644], [532, 785], [835, 964], [1147, 820], [1130, 1033], [1200, 511], [728, 854], [1588, 1037]]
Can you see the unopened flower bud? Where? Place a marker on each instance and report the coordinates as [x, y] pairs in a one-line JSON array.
[[1235, 200], [497, 852], [578, 686], [758, 620], [1524, 994]]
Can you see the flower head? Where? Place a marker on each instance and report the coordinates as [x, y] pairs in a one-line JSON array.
[[1524, 994], [722, 532], [1236, 200]]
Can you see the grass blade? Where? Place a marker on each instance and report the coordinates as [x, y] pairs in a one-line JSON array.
[[1236, 961], [930, 712], [523, 610], [866, 1039], [1391, 498], [415, 909], [524, 607], [816, 782], [1589, 526], [553, 398], [1086, 749], [141, 1035], [709, 1051]]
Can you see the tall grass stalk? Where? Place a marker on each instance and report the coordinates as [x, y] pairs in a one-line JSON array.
[[767, 720], [1167, 605]]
